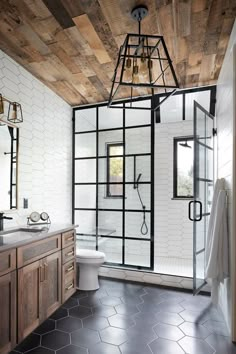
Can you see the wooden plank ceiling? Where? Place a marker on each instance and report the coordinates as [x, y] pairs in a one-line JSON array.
[[72, 45]]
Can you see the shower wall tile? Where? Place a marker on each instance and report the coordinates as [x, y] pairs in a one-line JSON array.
[[45, 145], [173, 230]]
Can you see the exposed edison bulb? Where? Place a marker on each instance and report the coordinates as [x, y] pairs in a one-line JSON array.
[[127, 71], [136, 74], [143, 68]]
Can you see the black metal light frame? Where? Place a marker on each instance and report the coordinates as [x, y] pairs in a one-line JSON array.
[[154, 83]]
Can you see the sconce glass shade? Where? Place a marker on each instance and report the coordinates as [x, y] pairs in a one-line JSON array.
[[1, 105], [15, 113]]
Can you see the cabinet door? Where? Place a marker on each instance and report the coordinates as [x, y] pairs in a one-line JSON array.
[[51, 286], [30, 279], [8, 312]]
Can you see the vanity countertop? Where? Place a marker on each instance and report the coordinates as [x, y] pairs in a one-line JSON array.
[[21, 235]]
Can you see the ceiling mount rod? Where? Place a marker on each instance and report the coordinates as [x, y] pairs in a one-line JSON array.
[[138, 14]]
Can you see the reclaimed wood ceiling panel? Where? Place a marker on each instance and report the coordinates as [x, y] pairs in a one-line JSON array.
[[72, 45]]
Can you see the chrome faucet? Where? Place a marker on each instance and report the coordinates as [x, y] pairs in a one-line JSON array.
[[2, 217]]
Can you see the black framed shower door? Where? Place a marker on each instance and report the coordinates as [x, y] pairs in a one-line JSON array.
[[112, 224]]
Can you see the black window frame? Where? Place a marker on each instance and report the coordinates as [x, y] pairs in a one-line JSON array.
[[175, 167], [108, 189]]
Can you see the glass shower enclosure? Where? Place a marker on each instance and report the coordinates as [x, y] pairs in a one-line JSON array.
[[113, 182]]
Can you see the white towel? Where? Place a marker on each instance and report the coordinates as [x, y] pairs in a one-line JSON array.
[[219, 185], [217, 252]]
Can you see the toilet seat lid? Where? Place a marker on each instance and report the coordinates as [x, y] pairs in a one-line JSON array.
[[83, 253]]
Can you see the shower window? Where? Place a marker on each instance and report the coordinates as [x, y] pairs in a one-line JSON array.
[[114, 188], [183, 167]]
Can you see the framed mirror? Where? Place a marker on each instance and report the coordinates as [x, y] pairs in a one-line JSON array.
[[9, 146]]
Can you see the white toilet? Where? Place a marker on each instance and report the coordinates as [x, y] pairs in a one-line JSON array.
[[89, 262]]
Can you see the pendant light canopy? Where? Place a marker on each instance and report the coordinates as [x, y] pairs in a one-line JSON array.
[[143, 66]]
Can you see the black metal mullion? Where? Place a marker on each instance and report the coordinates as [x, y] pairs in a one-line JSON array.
[[104, 157], [124, 189], [97, 173], [152, 196], [112, 129], [73, 167]]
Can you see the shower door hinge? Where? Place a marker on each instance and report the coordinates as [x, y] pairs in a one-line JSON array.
[[214, 131]]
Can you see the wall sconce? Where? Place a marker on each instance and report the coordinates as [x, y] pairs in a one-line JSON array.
[[14, 110], [1, 104], [15, 113]]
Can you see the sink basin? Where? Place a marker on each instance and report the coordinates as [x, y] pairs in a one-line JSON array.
[[17, 235]]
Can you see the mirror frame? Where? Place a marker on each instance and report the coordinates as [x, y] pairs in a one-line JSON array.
[[17, 167]]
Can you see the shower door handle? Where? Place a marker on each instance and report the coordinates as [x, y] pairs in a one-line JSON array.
[[189, 210], [200, 210]]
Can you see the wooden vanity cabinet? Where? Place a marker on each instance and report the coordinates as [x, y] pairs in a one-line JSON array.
[[35, 279], [39, 292], [8, 312]]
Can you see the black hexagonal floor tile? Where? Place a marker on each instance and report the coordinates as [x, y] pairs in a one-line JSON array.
[[80, 312], [121, 321], [194, 330], [170, 332], [29, 343], [104, 348], [195, 345], [45, 327], [60, 313], [90, 301], [80, 294], [69, 324], [132, 299], [170, 318], [72, 302], [165, 346], [85, 337], [113, 335], [55, 340], [41, 350], [169, 306], [72, 349], [127, 309], [133, 347], [96, 322], [104, 311], [111, 301]]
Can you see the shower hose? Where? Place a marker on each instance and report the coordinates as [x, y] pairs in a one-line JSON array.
[[144, 228]]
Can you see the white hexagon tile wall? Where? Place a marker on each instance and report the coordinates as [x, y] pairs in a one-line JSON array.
[[45, 146]]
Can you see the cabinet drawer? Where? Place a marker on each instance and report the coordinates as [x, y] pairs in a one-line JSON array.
[[69, 268], [68, 254], [68, 238], [68, 286], [7, 261], [37, 250]]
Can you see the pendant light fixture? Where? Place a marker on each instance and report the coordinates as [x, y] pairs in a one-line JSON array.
[[15, 113], [143, 66]]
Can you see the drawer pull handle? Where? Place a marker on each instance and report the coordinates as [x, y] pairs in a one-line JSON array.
[[71, 253], [70, 269], [71, 238], [69, 287], [41, 271], [46, 271]]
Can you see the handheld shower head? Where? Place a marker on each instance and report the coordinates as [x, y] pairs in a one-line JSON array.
[[139, 176]]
